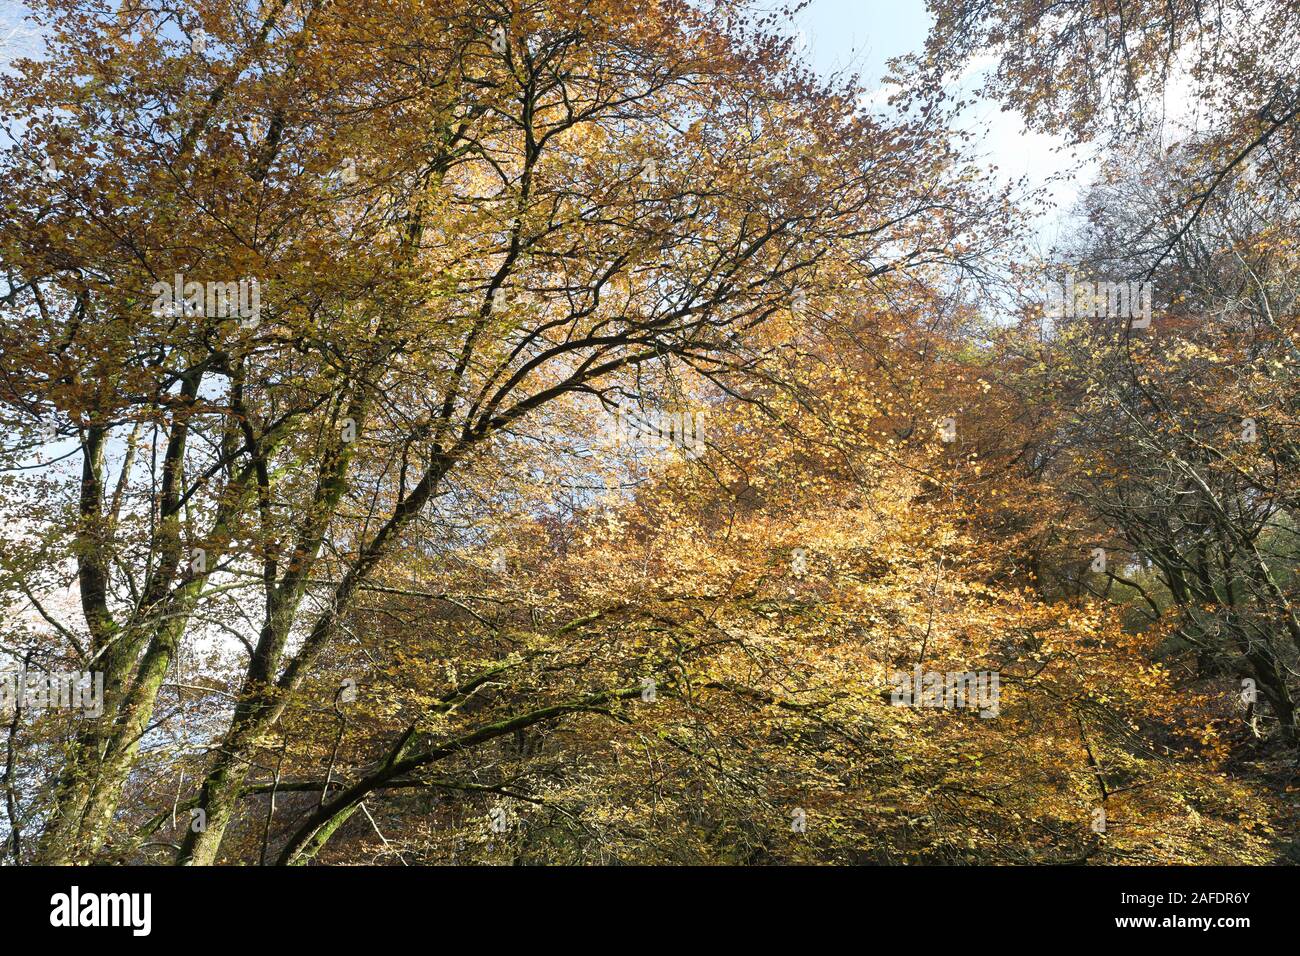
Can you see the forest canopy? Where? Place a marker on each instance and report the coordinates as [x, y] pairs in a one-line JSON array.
[[579, 432]]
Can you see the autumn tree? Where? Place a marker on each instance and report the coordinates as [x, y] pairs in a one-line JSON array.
[[1114, 74], [700, 670], [448, 223], [1182, 439]]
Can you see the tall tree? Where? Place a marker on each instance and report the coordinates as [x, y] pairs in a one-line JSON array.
[[448, 219]]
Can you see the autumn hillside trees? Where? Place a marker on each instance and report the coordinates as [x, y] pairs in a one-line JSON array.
[[462, 221], [328, 335], [697, 668], [1175, 437], [1183, 443], [1116, 74]]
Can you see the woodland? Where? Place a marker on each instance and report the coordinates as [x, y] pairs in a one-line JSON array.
[[551, 432]]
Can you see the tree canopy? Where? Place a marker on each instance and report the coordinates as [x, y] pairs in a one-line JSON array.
[[574, 431]]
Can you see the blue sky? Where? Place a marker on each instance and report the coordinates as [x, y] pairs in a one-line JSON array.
[[13, 34], [862, 35]]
